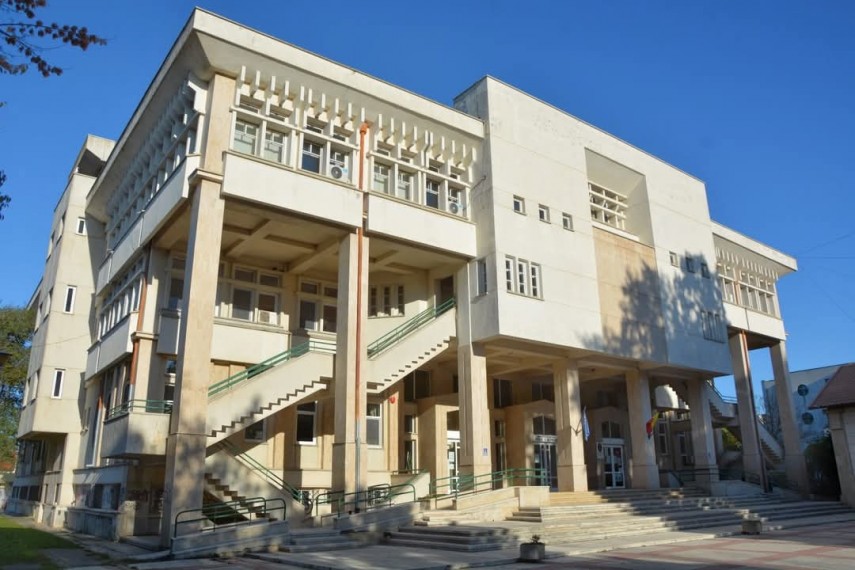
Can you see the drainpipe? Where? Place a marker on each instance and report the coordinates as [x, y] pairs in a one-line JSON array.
[[360, 249]]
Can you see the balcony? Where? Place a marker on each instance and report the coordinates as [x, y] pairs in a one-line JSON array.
[[112, 346], [137, 427]]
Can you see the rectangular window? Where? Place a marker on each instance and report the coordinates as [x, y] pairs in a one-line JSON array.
[[267, 310], [509, 273], [567, 222], [242, 304], [690, 264], [416, 386], [386, 301], [410, 456], [176, 293], [81, 226], [541, 391], [309, 315], [58, 377], [306, 422], [455, 200], [373, 425], [519, 205], [311, 157], [432, 193], [410, 424], [675, 259], [502, 393], [274, 146], [522, 276], [330, 318], [255, 432], [481, 269], [405, 184], [245, 137], [69, 299], [543, 213], [245, 275], [705, 271], [662, 436], [534, 268], [381, 178]]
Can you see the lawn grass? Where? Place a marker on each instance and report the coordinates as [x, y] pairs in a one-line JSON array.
[[22, 544]]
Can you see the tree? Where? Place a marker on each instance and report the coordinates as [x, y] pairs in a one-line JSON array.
[[23, 41], [16, 336]]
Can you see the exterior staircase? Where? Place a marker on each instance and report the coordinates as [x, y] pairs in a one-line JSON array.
[[411, 345], [461, 538], [268, 387]]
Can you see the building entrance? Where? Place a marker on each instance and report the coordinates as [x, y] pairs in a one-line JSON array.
[[546, 461], [613, 466], [453, 453]]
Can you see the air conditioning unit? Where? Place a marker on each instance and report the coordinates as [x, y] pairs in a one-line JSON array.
[[454, 208], [338, 172]]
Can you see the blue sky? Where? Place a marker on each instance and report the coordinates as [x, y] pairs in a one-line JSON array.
[[757, 99]]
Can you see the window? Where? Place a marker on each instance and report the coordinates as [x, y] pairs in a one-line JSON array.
[[502, 393], [306, 422], [481, 271], [455, 200], [567, 222], [311, 156], [432, 189], [381, 178], [255, 432], [416, 385], [410, 424], [675, 259], [176, 293], [58, 377], [543, 213], [607, 206], [338, 164], [274, 146], [690, 264], [499, 428], [81, 226], [410, 455], [543, 425], [69, 299], [373, 425], [523, 277], [242, 304], [245, 136], [519, 205], [711, 326], [662, 436], [542, 391], [405, 184], [705, 270], [318, 306], [386, 301], [610, 430]]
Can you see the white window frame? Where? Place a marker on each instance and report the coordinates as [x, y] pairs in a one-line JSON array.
[[320, 299], [58, 381], [380, 180], [304, 152], [674, 257], [519, 205], [567, 221], [70, 297], [543, 213], [481, 276], [387, 300], [81, 227], [240, 135], [378, 419]]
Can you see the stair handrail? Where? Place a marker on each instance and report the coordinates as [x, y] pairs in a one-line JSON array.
[[374, 497], [150, 406], [725, 399], [457, 485], [240, 507], [311, 345], [252, 463], [398, 333]]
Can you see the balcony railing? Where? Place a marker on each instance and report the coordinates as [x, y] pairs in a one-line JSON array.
[[148, 406]]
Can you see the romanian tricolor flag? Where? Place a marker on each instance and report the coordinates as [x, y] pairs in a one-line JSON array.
[[651, 425]]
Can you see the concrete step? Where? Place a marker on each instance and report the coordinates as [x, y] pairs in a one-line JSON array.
[[439, 545], [460, 538]]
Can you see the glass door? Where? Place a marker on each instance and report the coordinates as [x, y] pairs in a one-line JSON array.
[[453, 453], [546, 462], [613, 466]]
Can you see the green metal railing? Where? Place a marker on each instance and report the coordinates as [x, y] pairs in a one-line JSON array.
[[150, 406], [374, 497], [271, 477], [470, 484], [256, 369], [397, 334], [231, 513]]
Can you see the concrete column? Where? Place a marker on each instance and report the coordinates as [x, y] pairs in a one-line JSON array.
[[794, 459], [350, 454], [751, 460], [187, 441], [572, 473], [703, 440], [645, 471], [844, 448], [474, 408]]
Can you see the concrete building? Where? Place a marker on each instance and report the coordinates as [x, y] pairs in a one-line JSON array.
[[311, 279], [805, 386]]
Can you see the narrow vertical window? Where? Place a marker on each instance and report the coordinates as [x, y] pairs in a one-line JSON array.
[[521, 277], [381, 178], [58, 377], [535, 280], [245, 137], [311, 157], [432, 194], [373, 425], [81, 226], [306, 422], [509, 273], [401, 303], [481, 269], [405, 183], [567, 222], [274, 146], [519, 205], [69, 299], [543, 213]]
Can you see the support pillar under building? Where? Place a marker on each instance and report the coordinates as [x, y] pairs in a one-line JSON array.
[[350, 454], [703, 438], [572, 474], [645, 471], [751, 458], [794, 459]]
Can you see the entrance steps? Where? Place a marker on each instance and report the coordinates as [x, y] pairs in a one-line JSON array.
[[460, 538], [316, 540]]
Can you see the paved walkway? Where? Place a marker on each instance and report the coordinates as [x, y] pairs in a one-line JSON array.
[[826, 547]]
